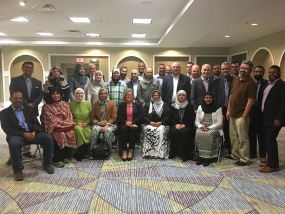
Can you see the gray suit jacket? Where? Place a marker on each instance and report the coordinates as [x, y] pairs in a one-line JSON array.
[[198, 91]]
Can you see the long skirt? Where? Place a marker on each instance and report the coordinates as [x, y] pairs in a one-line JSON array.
[[155, 141], [108, 134]]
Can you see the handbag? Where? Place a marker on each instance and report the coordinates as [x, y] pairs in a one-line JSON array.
[[65, 128], [101, 150]]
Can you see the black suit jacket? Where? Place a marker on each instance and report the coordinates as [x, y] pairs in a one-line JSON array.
[[10, 123], [274, 104], [198, 91], [218, 89], [137, 113], [19, 84], [167, 87]]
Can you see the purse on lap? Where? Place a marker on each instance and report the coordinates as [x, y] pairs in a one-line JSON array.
[[65, 128]]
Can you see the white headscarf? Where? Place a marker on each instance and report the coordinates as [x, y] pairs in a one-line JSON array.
[[179, 105], [77, 100], [157, 105]]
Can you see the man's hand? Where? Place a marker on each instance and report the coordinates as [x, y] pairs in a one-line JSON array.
[[228, 115], [277, 123], [31, 105], [28, 136]]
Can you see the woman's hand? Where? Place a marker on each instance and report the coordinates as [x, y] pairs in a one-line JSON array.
[[82, 125], [128, 123], [103, 129], [134, 125], [152, 123], [100, 124], [158, 124], [179, 126], [204, 128]]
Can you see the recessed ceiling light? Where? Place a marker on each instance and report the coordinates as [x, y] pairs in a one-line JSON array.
[[19, 19], [139, 35], [50, 42], [44, 34], [94, 43], [142, 21], [227, 36], [3, 34], [23, 3], [80, 19], [254, 24], [92, 34]]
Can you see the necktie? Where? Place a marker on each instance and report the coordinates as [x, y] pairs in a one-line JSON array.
[[226, 92]]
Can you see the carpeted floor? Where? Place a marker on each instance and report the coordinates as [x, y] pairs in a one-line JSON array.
[[143, 186]]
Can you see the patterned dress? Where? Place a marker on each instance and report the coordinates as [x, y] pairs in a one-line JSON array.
[[207, 142]]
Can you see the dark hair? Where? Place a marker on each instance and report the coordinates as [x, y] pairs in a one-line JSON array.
[[276, 67], [190, 63], [48, 97], [225, 63], [235, 62], [123, 67], [27, 63], [259, 66]]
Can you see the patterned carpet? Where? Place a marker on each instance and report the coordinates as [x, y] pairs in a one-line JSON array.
[[143, 186]]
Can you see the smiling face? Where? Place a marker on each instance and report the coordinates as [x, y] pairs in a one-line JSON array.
[[176, 68], [245, 70], [82, 70], [129, 97], [116, 75], [17, 100], [181, 97], [103, 95], [148, 73], [55, 96], [156, 96], [124, 72], [92, 69], [273, 74], [98, 76], [208, 99], [79, 95], [55, 73], [27, 69]]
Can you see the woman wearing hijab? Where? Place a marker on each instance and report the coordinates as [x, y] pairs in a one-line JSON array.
[[93, 87], [103, 117], [209, 122], [78, 80], [116, 87], [81, 110], [55, 115], [182, 129], [56, 79], [156, 116]]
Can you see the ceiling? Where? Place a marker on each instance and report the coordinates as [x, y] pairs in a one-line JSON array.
[[176, 23]]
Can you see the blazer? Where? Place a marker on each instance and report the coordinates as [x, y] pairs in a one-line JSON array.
[[111, 112], [198, 91], [10, 123], [167, 87], [19, 84], [137, 113], [188, 118], [218, 89], [274, 104]]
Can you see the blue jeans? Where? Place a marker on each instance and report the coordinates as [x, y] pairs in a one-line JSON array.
[[16, 143]]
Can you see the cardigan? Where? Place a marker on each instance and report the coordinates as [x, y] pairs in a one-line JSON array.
[[111, 112]]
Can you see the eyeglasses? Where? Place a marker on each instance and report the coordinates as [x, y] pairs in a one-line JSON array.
[[129, 95], [28, 67]]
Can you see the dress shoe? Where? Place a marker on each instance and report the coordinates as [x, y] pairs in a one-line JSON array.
[[18, 176], [131, 152], [206, 162], [268, 169], [262, 164], [239, 163], [124, 159], [262, 160], [199, 161], [29, 155], [48, 169]]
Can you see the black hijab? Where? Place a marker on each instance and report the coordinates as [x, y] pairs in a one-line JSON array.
[[208, 108]]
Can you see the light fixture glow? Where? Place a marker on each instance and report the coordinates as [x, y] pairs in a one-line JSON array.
[[142, 21], [23, 3], [254, 24], [19, 19], [136, 35], [94, 43], [92, 34], [50, 42], [227, 36], [79, 19], [9, 42], [3, 34], [45, 34]]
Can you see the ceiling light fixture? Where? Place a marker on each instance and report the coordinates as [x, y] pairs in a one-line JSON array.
[[136, 35], [92, 34], [79, 19], [23, 3], [3, 34], [94, 43], [142, 21], [44, 34], [254, 24], [227, 36], [19, 19]]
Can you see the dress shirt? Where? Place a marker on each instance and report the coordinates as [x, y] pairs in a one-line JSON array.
[[21, 118], [206, 83], [29, 85], [175, 83], [135, 89], [266, 92]]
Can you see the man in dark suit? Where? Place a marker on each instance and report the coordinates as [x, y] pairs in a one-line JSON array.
[[217, 72], [32, 91], [272, 106], [200, 86], [133, 84], [174, 82], [221, 91], [255, 125], [22, 127]]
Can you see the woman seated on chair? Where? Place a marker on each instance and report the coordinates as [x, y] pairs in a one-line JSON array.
[[129, 121], [103, 117], [81, 110], [56, 119], [156, 116], [182, 130], [209, 122]]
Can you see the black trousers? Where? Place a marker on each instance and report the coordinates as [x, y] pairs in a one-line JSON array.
[[128, 135], [270, 135], [60, 154], [226, 129]]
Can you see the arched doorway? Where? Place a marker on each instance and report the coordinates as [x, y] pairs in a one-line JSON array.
[[282, 65], [131, 62], [263, 56]]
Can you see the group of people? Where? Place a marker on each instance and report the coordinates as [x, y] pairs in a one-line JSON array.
[[170, 114]]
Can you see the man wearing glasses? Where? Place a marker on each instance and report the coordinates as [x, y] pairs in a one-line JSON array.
[[32, 91]]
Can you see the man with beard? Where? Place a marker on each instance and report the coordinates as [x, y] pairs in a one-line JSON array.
[[161, 73], [141, 68], [241, 100], [216, 71], [235, 69], [133, 84], [168, 69], [272, 106], [123, 74], [255, 125], [195, 73]]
